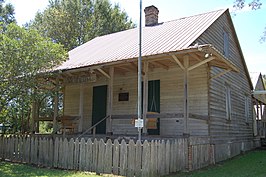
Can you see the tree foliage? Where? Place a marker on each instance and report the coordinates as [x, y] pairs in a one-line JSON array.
[[23, 54], [74, 22], [254, 5], [6, 14]]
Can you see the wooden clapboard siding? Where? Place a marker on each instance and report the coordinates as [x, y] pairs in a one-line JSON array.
[[171, 101], [71, 100], [87, 107], [220, 128]]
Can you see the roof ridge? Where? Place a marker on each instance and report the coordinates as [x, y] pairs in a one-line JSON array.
[[203, 13]]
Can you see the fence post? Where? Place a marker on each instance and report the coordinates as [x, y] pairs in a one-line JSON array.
[[100, 165], [95, 155], [89, 159], [131, 158], [146, 155], [116, 151], [108, 157], [123, 158], [71, 145], [190, 158], [82, 155]]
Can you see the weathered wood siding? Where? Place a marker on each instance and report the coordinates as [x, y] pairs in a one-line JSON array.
[[221, 129], [72, 96], [171, 100]]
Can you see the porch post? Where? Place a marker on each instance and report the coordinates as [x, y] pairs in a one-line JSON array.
[[145, 96], [37, 130], [110, 100], [81, 107], [261, 114], [33, 116], [257, 108], [55, 112], [186, 108]]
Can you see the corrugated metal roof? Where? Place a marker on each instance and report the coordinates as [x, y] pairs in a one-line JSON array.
[[163, 38]]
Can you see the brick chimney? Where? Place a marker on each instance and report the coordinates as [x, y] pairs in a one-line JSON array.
[[151, 15]]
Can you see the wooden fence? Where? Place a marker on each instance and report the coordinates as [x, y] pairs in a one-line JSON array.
[[155, 158]]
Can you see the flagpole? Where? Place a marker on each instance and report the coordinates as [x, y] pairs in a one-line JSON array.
[[139, 71]]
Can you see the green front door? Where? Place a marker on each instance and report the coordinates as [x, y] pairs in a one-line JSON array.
[[154, 103], [99, 101]]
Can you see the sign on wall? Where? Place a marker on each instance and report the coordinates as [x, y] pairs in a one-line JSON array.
[[80, 79]]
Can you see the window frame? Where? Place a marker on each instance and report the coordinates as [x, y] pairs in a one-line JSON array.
[[226, 43], [228, 102]]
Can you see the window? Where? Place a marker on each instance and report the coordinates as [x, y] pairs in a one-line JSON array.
[[228, 102], [226, 43], [246, 107]]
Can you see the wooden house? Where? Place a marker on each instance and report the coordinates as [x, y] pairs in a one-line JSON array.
[[259, 101], [195, 82]]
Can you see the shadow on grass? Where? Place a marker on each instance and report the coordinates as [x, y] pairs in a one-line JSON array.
[[8, 169]]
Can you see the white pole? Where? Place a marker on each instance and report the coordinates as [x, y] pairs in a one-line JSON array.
[[139, 70]]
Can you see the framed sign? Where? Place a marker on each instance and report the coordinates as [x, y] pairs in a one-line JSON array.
[[123, 96]]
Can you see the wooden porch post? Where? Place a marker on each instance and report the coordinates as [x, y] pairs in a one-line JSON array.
[[257, 108], [186, 108], [55, 107], [33, 116], [261, 114], [81, 107], [145, 96], [37, 130], [110, 100]]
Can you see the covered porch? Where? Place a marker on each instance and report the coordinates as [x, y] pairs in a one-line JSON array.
[[102, 99]]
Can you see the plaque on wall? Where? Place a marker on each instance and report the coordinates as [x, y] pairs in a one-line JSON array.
[[123, 96]]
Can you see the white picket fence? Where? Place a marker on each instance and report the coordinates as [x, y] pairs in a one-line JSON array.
[[155, 158]]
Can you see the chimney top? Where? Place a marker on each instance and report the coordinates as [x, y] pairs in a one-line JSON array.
[[151, 15]]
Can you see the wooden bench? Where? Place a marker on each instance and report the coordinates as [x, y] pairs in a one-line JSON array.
[[69, 123]]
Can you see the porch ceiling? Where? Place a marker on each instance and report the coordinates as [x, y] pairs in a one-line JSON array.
[[197, 56]]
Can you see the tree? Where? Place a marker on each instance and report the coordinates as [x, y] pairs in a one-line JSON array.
[[254, 5], [6, 14], [74, 22], [24, 54]]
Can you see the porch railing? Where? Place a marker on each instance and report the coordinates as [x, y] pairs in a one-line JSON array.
[[93, 128]]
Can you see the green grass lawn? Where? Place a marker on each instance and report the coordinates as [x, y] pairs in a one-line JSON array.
[[252, 164]]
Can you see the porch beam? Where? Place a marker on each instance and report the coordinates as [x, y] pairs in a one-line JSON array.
[[103, 72], [193, 55], [186, 106], [81, 107], [201, 63], [178, 62], [162, 65], [110, 100], [145, 95], [123, 68], [221, 74]]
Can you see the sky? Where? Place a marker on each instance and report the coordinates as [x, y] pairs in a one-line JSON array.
[[249, 24]]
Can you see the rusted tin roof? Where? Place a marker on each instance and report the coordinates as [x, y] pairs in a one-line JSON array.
[[163, 38]]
